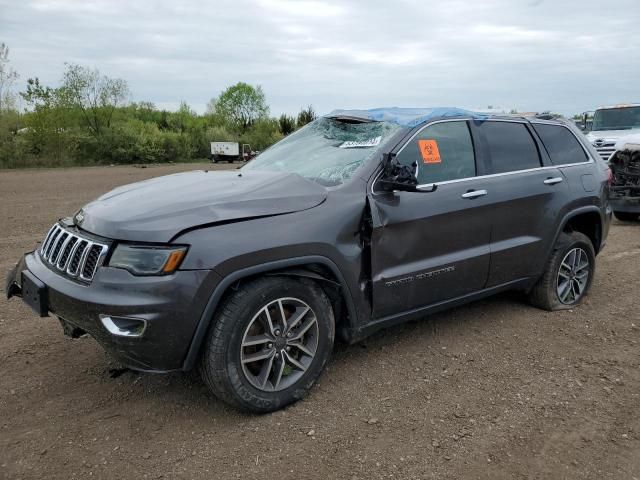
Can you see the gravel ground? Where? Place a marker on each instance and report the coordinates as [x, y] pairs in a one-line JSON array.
[[495, 389]]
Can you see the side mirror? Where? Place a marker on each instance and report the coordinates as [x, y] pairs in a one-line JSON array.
[[402, 178]]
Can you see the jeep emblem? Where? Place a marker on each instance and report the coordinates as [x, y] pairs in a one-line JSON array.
[[78, 218]]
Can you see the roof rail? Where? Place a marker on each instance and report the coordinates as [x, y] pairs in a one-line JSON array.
[[548, 116]]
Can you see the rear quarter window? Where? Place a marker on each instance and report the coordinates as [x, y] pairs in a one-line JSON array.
[[562, 146], [511, 146]]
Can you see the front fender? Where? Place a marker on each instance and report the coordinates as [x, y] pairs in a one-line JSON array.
[[214, 300]]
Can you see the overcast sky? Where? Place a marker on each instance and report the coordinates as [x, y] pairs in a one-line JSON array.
[[534, 55]]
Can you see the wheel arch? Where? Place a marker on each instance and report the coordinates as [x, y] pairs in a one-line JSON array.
[[586, 220], [319, 268]]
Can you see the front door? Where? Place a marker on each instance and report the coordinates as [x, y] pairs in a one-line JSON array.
[[431, 247]]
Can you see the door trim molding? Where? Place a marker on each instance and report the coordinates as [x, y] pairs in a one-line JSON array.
[[419, 312]]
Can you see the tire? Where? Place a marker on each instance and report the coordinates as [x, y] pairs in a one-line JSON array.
[[242, 320], [546, 293], [626, 216]]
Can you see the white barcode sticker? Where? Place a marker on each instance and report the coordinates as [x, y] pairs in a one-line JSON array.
[[372, 142]]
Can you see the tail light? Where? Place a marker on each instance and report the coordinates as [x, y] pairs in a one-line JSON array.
[[609, 176]]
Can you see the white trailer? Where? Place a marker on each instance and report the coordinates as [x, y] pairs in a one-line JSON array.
[[230, 151]]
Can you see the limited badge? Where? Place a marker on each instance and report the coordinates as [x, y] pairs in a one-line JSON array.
[[429, 151]]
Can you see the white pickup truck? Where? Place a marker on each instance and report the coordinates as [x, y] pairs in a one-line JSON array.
[[615, 134], [612, 124]]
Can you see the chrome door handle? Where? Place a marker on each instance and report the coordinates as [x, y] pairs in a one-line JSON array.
[[553, 181], [474, 194]]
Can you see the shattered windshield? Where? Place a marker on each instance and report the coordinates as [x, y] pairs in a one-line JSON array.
[[616, 118], [327, 151]]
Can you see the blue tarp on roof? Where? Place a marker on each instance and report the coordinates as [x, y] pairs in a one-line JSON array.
[[407, 117]]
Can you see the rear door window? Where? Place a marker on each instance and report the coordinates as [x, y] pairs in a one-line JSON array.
[[511, 146], [442, 151], [563, 147]]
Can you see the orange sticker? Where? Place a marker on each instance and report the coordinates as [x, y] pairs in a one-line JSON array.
[[429, 151]]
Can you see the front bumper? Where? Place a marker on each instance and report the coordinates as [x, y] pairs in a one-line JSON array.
[[627, 204], [170, 307]]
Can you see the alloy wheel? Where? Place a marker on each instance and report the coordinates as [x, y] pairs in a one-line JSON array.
[[279, 344], [573, 276]]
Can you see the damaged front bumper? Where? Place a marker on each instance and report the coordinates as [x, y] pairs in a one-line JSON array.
[[624, 193], [623, 202], [147, 323]]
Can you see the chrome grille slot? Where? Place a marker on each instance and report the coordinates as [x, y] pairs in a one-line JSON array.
[[60, 241], [52, 241], [74, 264], [71, 253], [47, 239], [606, 149], [91, 261], [64, 257]]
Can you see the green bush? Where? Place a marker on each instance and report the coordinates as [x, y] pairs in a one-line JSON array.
[[56, 131], [9, 125], [262, 134]]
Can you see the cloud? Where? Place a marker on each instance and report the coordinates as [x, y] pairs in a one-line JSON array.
[[532, 55]]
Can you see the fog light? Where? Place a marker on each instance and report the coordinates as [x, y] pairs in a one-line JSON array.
[[124, 326]]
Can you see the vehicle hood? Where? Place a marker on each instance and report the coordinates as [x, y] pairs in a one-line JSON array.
[[630, 142], [611, 135], [157, 210]]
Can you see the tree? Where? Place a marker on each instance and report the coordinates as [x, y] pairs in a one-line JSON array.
[[49, 120], [182, 119], [7, 78], [262, 134], [37, 95], [95, 95], [306, 115], [287, 124], [241, 104]]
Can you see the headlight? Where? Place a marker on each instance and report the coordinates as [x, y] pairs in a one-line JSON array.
[[147, 260]]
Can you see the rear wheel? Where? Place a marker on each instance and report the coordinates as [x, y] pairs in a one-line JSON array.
[[568, 274], [626, 216], [269, 343]]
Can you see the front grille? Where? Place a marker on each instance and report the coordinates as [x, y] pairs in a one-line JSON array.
[[91, 262], [605, 149], [72, 254]]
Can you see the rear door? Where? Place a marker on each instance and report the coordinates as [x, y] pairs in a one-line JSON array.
[[431, 247], [527, 195]]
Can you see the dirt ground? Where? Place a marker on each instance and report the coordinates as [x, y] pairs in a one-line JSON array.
[[495, 389]]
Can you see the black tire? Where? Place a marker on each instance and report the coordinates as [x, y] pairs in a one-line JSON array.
[[221, 367], [626, 216], [545, 292]]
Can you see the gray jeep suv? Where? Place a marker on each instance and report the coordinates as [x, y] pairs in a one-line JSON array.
[[356, 222]]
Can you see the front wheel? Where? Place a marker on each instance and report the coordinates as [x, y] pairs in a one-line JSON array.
[[568, 274], [269, 342]]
